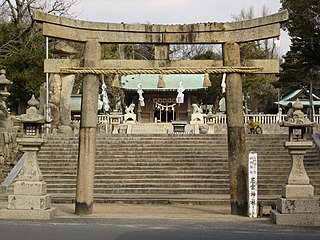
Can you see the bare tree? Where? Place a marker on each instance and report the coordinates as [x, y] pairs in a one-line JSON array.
[[191, 51], [267, 46], [19, 15], [21, 11], [259, 87]]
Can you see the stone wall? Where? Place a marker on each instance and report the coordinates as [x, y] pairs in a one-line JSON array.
[[9, 153]]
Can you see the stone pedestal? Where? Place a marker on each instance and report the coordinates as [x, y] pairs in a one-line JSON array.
[[197, 118], [297, 206], [296, 212], [115, 127], [29, 199], [210, 127], [130, 118], [115, 119]]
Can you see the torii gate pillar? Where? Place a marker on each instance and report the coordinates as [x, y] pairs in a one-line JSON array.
[[87, 135], [238, 166]]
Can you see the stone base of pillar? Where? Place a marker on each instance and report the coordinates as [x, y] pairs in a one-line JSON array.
[[28, 214], [296, 212], [29, 201], [297, 219], [22, 202], [285, 205]]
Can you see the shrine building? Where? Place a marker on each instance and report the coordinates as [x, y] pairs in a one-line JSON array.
[[160, 93]]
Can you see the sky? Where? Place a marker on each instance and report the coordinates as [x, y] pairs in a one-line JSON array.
[[173, 12]]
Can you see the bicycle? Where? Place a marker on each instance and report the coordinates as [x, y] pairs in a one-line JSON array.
[[256, 128]]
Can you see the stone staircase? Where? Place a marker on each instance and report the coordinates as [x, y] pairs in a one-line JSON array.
[[146, 168]]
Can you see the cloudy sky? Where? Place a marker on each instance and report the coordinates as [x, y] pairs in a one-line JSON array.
[[173, 11]]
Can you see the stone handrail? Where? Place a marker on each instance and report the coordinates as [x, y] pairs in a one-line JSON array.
[[13, 174]]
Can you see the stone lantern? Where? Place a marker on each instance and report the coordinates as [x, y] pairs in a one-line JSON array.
[[210, 122], [297, 205], [29, 199], [32, 121], [4, 84]]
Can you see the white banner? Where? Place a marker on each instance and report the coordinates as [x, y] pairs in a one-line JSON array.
[[253, 184]]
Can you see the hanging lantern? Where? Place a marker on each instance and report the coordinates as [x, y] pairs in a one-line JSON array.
[[206, 80], [116, 81], [161, 83]]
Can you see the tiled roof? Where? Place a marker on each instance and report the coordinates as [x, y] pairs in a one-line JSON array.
[[75, 103], [302, 94]]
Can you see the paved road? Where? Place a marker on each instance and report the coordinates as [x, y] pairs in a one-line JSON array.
[[123, 229]]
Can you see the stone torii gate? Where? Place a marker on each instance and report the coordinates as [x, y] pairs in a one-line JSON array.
[[93, 34]]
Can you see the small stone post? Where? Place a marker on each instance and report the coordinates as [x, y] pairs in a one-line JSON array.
[[30, 199], [297, 206]]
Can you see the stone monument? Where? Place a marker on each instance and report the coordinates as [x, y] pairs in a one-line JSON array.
[[5, 119], [60, 89], [197, 116], [297, 206], [130, 117], [30, 199]]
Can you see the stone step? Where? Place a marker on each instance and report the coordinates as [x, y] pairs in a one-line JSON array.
[[143, 181], [152, 177], [149, 167], [166, 190], [154, 185], [264, 182], [156, 164], [138, 162], [194, 199]]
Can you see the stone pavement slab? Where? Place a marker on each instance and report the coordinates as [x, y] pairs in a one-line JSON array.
[[153, 211], [148, 211]]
